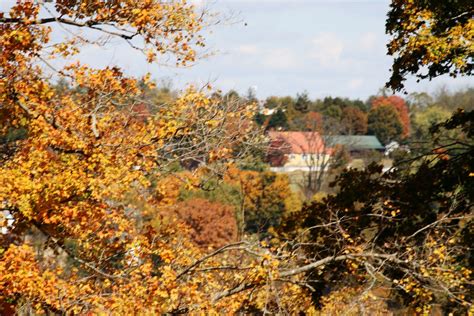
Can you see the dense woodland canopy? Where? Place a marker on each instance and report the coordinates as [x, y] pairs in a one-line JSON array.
[[119, 195], [389, 117]]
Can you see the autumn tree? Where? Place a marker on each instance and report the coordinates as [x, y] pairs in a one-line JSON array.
[[312, 121], [429, 39], [384, 122], [82, 152], [212, 224], [261, 198], [354, 121], [400, 106], [427, 118], [391, 233]]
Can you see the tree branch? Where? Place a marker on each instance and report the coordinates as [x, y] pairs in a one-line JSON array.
[[90, 24], [235, 290], [326, 260], [212, 254], [60, 245]]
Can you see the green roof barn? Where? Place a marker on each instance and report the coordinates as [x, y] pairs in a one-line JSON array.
[[354, 142]]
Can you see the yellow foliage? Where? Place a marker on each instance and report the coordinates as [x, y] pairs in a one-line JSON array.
[[89, 172]]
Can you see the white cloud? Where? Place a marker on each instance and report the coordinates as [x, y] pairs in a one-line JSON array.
[[248, 49], [327, 49], [355, 83], [368, 41], [281, 59]]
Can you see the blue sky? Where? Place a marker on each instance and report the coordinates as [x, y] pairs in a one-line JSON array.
[[326, 47], [282, 47]]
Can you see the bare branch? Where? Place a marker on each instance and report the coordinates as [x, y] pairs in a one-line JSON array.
[[212, 254], [322, 262]]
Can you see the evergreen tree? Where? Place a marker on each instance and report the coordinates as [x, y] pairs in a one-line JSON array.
[[302, 102], [278, 119]]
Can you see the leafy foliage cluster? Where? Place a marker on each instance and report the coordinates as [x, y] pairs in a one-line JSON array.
[[430, 38], [424, 217]]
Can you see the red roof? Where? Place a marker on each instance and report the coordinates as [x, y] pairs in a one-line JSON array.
[[299, 142]]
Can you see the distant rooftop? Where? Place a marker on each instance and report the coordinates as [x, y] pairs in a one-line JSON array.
[[314, 143], [354, 142], [299, 142]]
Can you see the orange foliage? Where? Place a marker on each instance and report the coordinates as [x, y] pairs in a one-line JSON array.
[[400, 106], [354, 121], [82, 177], [313, 121], [212, 224], [262, 196], [353, 301]]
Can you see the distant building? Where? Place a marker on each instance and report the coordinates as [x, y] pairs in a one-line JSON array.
[[355, 144], [291, 151], [302, 150]]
